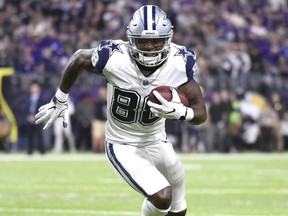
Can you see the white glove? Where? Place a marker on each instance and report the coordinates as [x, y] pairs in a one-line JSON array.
[[173, 109], [57, 108]]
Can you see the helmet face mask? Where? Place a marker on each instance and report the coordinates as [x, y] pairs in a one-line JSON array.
[[150, 44], [149, 33]]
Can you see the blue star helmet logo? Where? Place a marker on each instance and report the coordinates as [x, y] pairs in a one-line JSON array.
[[184, 53]]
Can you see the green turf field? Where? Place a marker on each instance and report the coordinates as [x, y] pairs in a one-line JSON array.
[[84, 184]]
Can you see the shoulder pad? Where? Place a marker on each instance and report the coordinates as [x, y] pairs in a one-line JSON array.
[[103, 52], [189, 58]]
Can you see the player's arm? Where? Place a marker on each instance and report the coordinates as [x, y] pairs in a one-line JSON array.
[[58, 106], [196, 100], [79, 62], [194, 114]]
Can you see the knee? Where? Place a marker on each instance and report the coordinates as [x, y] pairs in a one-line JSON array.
[[162, 199]]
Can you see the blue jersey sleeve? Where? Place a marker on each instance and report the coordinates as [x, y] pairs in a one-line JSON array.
[[188, 57], [103, 52], [191, 66], [100, 56]]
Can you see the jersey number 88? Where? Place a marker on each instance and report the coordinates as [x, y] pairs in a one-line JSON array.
[[126, 108]]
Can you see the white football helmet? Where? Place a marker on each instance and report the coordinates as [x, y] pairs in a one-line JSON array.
[[149, 33]]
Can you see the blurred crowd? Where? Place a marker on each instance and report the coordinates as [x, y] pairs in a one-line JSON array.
[[242, 55]]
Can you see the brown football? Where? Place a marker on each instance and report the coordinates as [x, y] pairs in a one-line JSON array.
[[166, 93]]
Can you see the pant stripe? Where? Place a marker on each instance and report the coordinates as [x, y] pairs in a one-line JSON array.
[[122, 171]]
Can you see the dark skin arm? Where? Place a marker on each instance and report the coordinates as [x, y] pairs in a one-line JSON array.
[[197, 103], [79, 62]]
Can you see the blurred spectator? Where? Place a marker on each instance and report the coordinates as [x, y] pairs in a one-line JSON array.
[[269, 126], [283, 67], [235, 64], [216, 123], [284, 130], [233, 141], [278, 105], [84, 114], [34, 131], [219, 112], [99, 121], [250, 108], [257, 62]]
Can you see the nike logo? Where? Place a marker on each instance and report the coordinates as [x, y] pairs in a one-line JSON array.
[[171, 111]]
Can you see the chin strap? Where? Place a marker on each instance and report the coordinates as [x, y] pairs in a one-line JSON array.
[[150, 61]]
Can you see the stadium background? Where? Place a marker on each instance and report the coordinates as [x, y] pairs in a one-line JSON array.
[[242, 49], [242, 52]]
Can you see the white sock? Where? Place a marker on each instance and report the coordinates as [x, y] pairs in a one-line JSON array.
[[148, 209]]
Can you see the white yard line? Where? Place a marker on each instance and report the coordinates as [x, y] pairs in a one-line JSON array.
[[91, 156], [235, 156], [68, 196], [100, 212], [67, 211], [276, 192], [52, 157]]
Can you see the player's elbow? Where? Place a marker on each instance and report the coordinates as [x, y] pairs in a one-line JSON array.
[[199, 118], [202, 118]]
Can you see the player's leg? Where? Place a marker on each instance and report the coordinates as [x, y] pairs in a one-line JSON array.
[[162, 199], [150, 209], [178, 204], [139, 171], [171, 167]]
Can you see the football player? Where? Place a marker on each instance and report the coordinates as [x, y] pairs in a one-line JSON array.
[[136, 142]]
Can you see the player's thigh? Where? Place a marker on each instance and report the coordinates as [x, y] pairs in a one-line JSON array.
[[167, 161], [136, 168]]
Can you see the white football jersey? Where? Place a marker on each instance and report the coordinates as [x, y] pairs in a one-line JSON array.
[[129, 120]]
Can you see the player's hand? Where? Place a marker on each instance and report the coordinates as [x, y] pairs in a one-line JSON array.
[[173, 109], [55, 109]]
